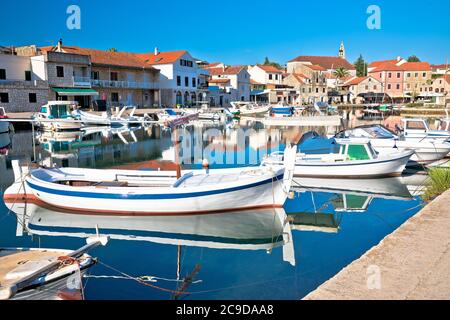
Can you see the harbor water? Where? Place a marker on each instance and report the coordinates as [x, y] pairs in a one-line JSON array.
[[259, 254]]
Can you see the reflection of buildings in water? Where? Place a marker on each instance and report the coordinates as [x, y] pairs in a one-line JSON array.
[[240, 230]]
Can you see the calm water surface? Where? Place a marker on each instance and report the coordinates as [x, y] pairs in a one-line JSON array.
[[282, 254]]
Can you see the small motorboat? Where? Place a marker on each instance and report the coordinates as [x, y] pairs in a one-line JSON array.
[[280, 110], [419, 130], [162, 192], [116, 120], [4, 124], [249, 109], [347, 158], [203, 114], [25, 273], [56, 116], [385, 141]]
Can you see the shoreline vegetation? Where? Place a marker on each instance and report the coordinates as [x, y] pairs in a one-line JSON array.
[[438, 183]]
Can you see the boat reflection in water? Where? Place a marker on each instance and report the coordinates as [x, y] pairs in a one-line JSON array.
[[241, 230]]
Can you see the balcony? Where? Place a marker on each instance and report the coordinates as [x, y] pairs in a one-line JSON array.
[[88, 82]]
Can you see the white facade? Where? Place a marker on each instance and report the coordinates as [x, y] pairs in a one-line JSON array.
[[179, 83], [258, 74]]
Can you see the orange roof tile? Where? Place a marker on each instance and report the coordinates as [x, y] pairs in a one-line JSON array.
[[102, 57], [167, 57], [220, 80], [416, 66], [354, 80], [375, 64], [325, 62], [268, 68], [231, 70], [387, 66]]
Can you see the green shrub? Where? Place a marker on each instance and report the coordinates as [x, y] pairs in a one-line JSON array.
[[439, 182]]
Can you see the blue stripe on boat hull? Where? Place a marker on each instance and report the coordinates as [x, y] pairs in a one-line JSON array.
[[122, 196]]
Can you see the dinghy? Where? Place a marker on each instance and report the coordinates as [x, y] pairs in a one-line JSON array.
[[156, 192], [347, 159], [384, 141], [26, 273]]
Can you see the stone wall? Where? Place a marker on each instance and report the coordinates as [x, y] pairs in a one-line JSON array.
[[18, 93]]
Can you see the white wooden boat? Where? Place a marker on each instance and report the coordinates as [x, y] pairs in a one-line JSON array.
[[26, 271], [203, 115], [56, 116], [350, 159], [244, 108], [4, 124], [152, 193], [384, 141]]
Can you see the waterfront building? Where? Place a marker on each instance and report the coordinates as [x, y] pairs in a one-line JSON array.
[[362, 90], [239, 81], [266, 74], [182, 81], [23, 85]]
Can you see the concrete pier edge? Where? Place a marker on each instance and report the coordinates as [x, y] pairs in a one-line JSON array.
[[411, 263]]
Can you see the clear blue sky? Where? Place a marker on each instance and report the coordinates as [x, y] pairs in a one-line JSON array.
[[237, 31]]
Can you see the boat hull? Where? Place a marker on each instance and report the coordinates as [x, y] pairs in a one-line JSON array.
[[356, 169], [262, 192], [424, 152]]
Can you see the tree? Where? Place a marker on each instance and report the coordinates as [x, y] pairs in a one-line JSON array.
[[361, 67], [112, 50], [413, 58], [341, 73], [267, 62]]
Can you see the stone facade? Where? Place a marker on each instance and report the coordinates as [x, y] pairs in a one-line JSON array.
[[19, 95]]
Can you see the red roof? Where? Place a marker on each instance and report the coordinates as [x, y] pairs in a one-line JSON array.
[[269, 68], [254, 82], [299, 77], [354, 80], [440, 66], [315, 67], [416, 66], [325, 62], [220, 80], [447, 78], [108, 58], [231, 70], [375, 64], [212, 65], [387, 66], [167, 57]]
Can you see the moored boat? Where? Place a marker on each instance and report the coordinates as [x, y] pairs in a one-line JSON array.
[[157, 193], [384, 141], [347, 159], [249, 109], [26, 273], [56, 116]]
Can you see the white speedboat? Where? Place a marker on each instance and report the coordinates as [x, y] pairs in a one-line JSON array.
[[203, 115], [161, 192], [243, 108], [116, 120], [348, 159], [384, 141], [417, 129], [56, 116], [4, 124], [26, 273]]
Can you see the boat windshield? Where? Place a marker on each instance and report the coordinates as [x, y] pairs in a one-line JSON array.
[[59, 111], [416, 125], [357, 152], [379, 132]]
